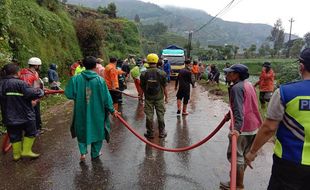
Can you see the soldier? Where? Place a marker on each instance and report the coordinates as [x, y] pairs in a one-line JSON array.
[[153, 84]]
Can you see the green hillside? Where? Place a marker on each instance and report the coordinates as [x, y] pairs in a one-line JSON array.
[[48, 30], [32, 30]]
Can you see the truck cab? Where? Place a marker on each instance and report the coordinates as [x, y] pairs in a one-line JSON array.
[[176, 57]]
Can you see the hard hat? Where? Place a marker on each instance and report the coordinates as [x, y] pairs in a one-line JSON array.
[[152, 58], [34, 61]]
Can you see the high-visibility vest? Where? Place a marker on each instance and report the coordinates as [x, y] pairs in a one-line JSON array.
[[293, 134]]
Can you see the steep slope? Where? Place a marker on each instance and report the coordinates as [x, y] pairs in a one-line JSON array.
[[32, 30]]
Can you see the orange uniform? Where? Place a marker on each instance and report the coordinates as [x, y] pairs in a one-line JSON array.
[[266, 81], [195, 69], [111, 76]]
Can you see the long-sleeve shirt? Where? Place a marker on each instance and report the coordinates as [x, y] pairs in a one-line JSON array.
[[266, 81], [111, 76], [15, 100], [244, 105]]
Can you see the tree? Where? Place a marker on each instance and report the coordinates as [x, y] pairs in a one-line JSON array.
[[264, 49], [307, 39], [110, 10], [277, 36], [252, 50], [296, 47], [90, 36], [236, 48], [137, 18]]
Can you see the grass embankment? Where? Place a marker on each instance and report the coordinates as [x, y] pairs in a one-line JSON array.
[[286, 70], [34, 30]]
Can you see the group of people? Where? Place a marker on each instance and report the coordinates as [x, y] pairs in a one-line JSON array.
[[287, 119], [95, 91]]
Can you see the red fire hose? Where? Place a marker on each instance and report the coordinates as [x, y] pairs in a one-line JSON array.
[[6, 145], [173, 149], [129, 95], [48, 91], [233, 151], [233, 170]]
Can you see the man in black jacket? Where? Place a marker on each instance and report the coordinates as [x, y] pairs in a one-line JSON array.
[[184, 80], [17, 111]]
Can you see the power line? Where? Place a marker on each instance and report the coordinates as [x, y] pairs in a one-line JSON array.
[[213, 18]]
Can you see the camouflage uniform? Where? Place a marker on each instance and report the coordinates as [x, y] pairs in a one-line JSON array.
[[154, 102]]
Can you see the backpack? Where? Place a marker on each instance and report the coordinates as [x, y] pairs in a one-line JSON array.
[[153, 82]]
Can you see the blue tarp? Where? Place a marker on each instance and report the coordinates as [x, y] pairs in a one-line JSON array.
[[173, 47]]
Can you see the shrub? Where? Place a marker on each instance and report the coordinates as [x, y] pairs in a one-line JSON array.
[[90, 36]]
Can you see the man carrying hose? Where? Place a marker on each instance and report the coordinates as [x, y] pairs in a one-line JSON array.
[[288, 117], [92, 105], [246, 117], [17, 111], [153, 83]]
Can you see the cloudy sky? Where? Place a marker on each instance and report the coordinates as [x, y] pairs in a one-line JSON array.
[[254, 11]]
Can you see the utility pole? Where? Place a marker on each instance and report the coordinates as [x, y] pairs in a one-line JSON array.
[[289, 39], [189, 45]]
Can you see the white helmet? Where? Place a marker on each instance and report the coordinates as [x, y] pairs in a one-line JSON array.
[[34, 61]]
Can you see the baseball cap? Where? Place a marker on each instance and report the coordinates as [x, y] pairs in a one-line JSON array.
[[304, 56], [238, 68]]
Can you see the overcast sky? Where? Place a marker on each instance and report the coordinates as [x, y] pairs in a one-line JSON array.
[[254, 11]]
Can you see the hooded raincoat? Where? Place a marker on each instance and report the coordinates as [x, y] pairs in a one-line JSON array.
[[92, 105]]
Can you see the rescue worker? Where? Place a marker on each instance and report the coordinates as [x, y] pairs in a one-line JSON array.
[[17, 111], [214, 75], [31, 77], [195, 70], [79, 69], [167, 68], [135, 74], [92, 105], [53, 78], [153, 84], [73, 67], [111, 78], [99, 67], [288, 117], [184, 80], [244, 105], [266, 84]]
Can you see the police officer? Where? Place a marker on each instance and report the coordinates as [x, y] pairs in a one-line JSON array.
[[288, 116], [153, 84]]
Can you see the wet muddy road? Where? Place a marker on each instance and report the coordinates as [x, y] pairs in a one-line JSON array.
[[127, 163]]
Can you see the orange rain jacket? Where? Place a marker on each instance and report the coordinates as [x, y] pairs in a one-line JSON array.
[[111, 76], [195, 69], [266, 81]]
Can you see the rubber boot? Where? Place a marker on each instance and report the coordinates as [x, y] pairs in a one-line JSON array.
[[179, 107], [184, 112], [17, 150], [27, 148]]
